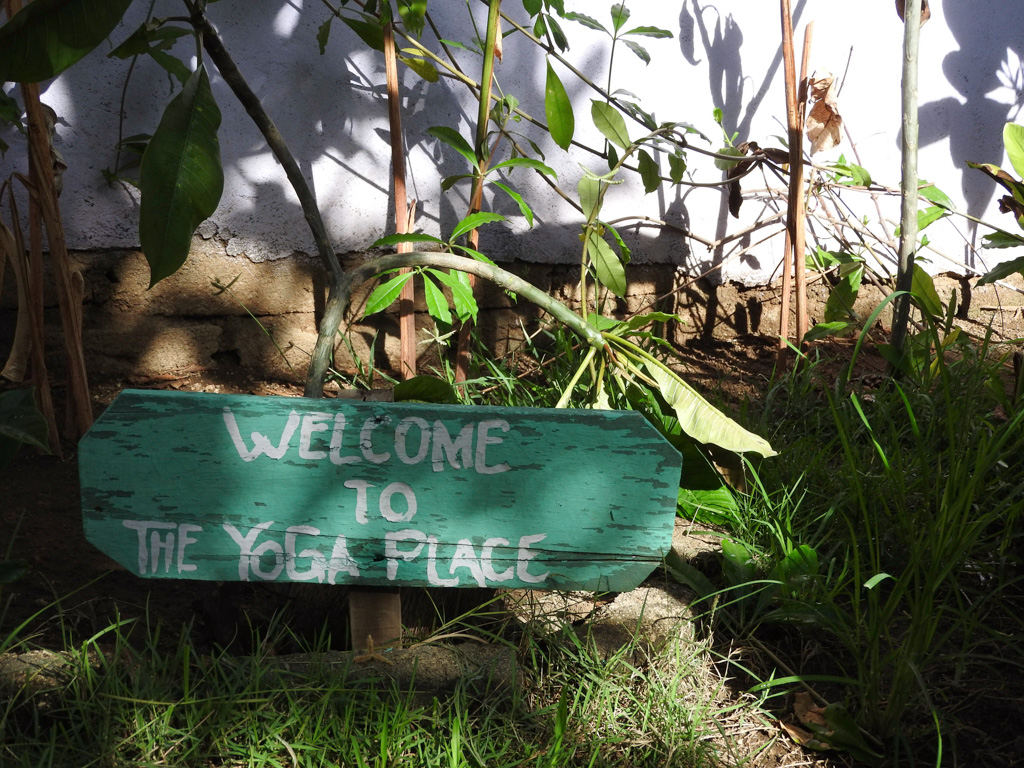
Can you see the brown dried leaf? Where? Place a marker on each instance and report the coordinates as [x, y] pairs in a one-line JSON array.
[[901, 8], [824, 123], [807, 712], [805, 738]]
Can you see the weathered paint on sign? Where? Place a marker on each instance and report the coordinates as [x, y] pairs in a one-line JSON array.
[[245, 488]]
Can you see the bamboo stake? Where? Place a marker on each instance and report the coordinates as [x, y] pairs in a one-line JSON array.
[[483, 157], [403, 214], [794, 216]]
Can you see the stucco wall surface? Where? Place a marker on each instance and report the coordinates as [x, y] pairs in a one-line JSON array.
[[726, 54]]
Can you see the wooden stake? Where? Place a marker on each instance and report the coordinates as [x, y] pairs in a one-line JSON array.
[[375, 619], [795, 212], [403, 212]]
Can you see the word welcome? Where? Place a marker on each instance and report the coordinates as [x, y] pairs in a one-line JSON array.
[[167, 543], [467, 450]]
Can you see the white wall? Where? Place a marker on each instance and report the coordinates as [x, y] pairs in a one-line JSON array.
[[725, 53]]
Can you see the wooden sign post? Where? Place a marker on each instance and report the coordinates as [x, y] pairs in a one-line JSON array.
[[245, 488]]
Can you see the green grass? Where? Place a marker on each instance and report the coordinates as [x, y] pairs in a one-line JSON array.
[[130, 698]]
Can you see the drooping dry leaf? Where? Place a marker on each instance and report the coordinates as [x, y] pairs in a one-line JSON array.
[[807, 712], [901, 8], [824, 122]]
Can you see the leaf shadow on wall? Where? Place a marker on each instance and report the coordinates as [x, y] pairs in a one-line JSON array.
[[988, 73]]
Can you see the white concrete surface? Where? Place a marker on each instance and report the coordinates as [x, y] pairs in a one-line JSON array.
[[725, 53]]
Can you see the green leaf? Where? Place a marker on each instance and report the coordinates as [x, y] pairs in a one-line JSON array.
[[524, 208], [475, 220], [47, 36], [701, 420], [533, 7], [424, 69], [437, 304], [875, 580], [323, 32], [824, 330], [620, 15], [454, 139], [839, 305], [385, 294], [676, 168], [558, 110], [412, 13], [724, 165], [425, 389], [1002, 240], [935, 195], [639, 50], [450, 181], [462, 293], [929, 216], [624, 250], [589, 190], [558, 34], [411, 237], [650, 173], [1013, 140], [649, 32], [1002, 271], [526, 162], [586, 21], [609, 121], [148, 36], [20, 420], [369, 30], [181, 176], [924, 293], [609, 269]]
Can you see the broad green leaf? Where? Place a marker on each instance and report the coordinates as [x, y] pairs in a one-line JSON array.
[[701, 420], [475, 220], [323, 32], [533, 7], [1003, 270], [524, 208], [589, 190], [609, 269], [424, 69], [839, 305], [385, 294], [450, 181], [1002, 240], [20, 420], [369, 31], [649, 32], [526, 162], [437, 304], [410, 237], [933, 194], [924, 293], [462, 293], [637, 322], [425, 389], [181, 177], [150, 35], [724, 165], [650, 173], [609, 121], [624, 250], [713, 507], [639, 50], [929, 216], [586, 21], [171, 64], [47, 36], [473, 254], [412, 13], [620, 15], [558, 34], [1013, 140], [676, 168], [824, 330], [737, 563], [454, 139], [558, 110]]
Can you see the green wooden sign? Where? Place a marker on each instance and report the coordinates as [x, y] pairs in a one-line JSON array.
[[245, 488]]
